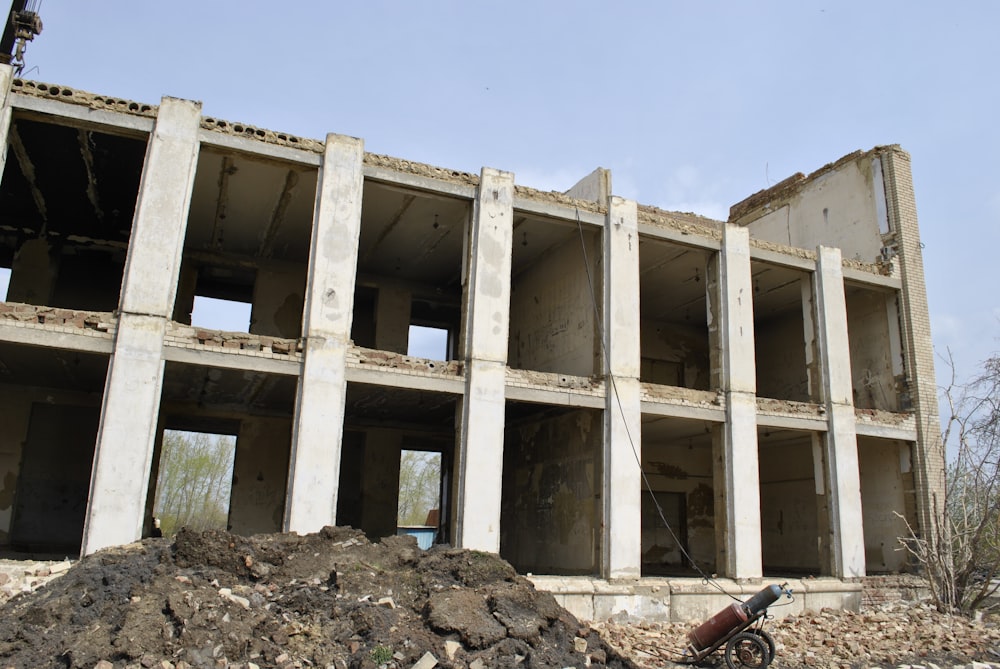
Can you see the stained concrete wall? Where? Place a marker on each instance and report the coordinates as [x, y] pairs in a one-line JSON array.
[[552, 313], [841, 208], [15, 412], [675, 354], [260, 472], [872, 365], [277, 301], [550, 519], [884, 465], [679, 468], [788, 511], [46, 450], [780, 353]]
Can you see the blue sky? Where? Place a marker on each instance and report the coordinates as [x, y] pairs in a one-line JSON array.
[[693, 105]]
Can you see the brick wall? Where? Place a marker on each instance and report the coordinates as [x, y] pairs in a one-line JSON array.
[[915, 328]]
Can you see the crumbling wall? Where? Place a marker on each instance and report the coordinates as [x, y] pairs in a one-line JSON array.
[[675, 354], [840, 205], [552, 313], [687, 470], [552, 483], [882, 464]]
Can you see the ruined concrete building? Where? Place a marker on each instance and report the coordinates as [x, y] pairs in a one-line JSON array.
[[772, 373]]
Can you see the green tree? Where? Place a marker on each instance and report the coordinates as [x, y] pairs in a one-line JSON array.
[[194, 482], [419, 486]]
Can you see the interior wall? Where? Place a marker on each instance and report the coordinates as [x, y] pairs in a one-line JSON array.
[[882, 464], [839, 208], [260, 474], [685, 469], [380, 482], [33, 273], [15, 412], [871, 353], [675, 354], [352, 462], [780, 350], [552, 325], [53, 485], [788, 506], [277, 301], [552, 484]]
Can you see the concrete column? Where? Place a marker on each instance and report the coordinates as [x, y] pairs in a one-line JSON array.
[[127, 432], [843, 482], [479, 465], [6, 78], [623, 488], [314, 467], [737, 477], [392, 319]]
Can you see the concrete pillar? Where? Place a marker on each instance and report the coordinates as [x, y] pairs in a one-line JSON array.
[[127, 433], [6, 78], [314, 468], [380, 483], [479, 465], [843, 482], [392, 319], [623, 487], [737, 477]]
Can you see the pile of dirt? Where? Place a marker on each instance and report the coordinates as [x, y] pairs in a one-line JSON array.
[[331, 599]]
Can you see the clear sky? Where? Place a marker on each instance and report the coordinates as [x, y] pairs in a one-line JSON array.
[[692, 105]]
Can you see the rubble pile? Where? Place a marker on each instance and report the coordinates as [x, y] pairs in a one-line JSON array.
[[331, 599], [890, 635]]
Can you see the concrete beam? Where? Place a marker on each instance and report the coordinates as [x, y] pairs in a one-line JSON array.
[[314, 465], [621, 543], [843, 481], [480, 447]]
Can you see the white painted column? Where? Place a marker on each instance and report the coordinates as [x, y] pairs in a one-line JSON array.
[[6, 78], [314, 466], [738, 459], [843, 481], [480, 453], [128, 427], [623, 488]]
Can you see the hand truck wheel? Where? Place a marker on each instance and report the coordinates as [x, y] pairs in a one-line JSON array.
[[768, 639], [747, 649]]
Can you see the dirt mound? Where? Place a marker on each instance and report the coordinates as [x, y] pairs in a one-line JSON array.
[[331, 599]]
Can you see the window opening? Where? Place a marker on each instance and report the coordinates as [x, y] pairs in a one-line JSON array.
[[427, 342], [4, 283], [215, 314], [194, 483], [419, 505]]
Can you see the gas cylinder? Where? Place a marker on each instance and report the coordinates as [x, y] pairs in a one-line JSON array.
[[763, 599], [718, 626]]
